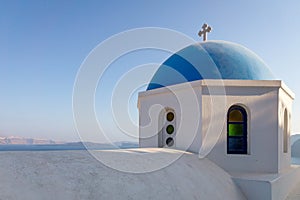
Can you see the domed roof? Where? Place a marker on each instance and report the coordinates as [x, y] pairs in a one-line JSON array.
[[210, 60], [78, 175], [295, 146]]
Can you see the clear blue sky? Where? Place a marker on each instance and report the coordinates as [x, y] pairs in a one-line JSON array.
[[43, 43]]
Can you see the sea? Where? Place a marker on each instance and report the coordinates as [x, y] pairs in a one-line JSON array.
[[64, 147]]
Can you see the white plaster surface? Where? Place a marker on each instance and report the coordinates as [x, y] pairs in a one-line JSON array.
[[268, 186], [264, 100], [77, 175], [295, 190], [295, 193]]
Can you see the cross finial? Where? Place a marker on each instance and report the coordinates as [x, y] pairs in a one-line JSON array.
[[205, 29]]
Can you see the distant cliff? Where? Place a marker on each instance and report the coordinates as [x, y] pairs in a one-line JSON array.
[[10, 140], [22, 140]]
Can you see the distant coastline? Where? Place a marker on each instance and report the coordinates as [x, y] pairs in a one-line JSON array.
[[10, 140]]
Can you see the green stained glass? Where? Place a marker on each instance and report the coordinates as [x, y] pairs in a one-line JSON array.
[[170, 129], [235, 129]]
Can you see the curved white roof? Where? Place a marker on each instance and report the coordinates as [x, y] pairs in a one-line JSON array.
[[295, 145], [78, 175]]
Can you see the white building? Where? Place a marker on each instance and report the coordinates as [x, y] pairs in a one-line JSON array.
[[219, 100]]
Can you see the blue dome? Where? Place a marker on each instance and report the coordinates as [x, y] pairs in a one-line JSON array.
[[210, 60]]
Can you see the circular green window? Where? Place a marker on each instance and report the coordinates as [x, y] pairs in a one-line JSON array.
[[170, 116], [170, 129], [170, 142]]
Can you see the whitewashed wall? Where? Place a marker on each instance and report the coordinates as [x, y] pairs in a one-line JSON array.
[[285, 102], [185, 100], [261, 99]]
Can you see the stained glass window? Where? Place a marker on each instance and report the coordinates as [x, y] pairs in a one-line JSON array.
[[170, 116], [237, 130], [170, 142], [170, 129]]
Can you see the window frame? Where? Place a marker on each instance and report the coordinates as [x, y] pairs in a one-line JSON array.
[[244, 136], [285, 130]]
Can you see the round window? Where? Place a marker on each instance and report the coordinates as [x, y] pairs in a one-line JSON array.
[[170, 116], [170, 142], [170, 129]]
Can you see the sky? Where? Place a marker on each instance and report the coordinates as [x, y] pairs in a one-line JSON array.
[[44, 43]]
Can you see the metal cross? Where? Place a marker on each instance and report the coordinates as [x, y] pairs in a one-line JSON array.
[[205, 29]]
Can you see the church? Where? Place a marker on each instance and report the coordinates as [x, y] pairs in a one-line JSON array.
[[219, 100]]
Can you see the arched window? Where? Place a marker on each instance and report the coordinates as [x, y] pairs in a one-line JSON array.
[[285, 132], [237, 137]]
